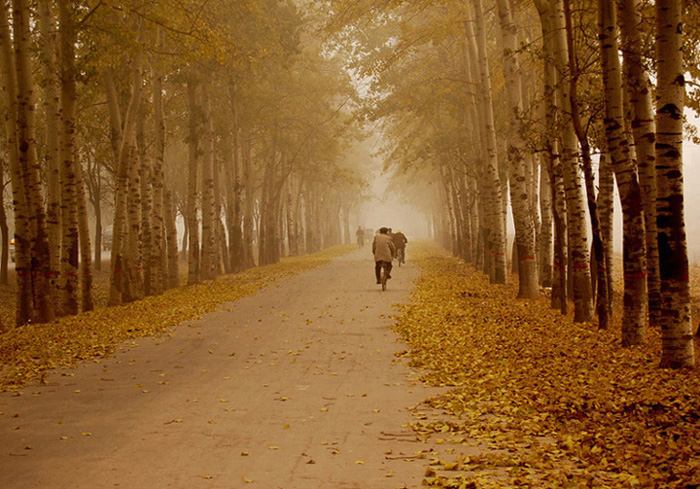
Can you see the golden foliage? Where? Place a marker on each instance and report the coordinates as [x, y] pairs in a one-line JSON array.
[[28, 351], [551, 403]]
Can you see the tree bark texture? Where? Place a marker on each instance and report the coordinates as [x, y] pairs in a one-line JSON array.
[[575, 207], [519, 191], [493, 191], [39, 268], [676, 332], [639, 89], [634, 249]]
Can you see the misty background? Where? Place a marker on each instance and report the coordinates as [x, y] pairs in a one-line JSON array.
[[390, 205]]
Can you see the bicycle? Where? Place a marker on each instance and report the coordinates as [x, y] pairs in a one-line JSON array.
[[384, 275]]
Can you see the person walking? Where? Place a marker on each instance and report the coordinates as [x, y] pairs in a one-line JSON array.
[[383, 250]]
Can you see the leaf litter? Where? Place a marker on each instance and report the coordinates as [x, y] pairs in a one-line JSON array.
[[532, 399]]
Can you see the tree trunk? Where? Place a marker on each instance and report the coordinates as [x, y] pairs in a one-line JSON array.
[[519, 194], [86, 301], [209, 247], [173, 274], [600, 282], [222, 258], [575, 208], [496, 233], [39, 264], [546, 233], [640, 90], [635, 297], [606, 183], [24, 304], [123, 143], [70, 246], [145, 167], [248, 216], [134, 289], [49, 44], [233, 205], [676, 331], [158, 256], [555, 180], [4, 229], [232, 167], [95, 188], [193, 261]]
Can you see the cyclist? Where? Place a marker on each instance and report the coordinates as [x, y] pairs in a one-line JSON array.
[[360, 233], [400, 241], [383, 249]]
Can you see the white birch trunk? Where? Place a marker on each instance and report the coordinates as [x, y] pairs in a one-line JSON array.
[[635, 297], [519, 192], [640, 91], [495, 241], [40, 268], [677, 349]]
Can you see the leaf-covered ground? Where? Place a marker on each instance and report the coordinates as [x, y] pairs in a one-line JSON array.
[[26, 353], [537, 400]]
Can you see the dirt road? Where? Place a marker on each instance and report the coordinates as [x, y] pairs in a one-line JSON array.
[[296, 387]]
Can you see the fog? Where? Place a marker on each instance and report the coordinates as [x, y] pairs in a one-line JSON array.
[[387, 206]]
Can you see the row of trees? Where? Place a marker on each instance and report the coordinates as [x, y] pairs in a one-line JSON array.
[[508, 103], [228, 113]]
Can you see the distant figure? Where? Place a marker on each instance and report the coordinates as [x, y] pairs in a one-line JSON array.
[[400, 241], [360, 233], [383, 250]]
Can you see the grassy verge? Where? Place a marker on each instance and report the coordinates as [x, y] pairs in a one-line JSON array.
[[26, 353], [548, 403]]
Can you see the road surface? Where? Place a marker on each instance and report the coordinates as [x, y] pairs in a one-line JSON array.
[[295, 387]]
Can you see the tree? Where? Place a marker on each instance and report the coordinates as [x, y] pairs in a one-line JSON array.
[[496, 234], [634, 313], [676, 331], [519, 191], [641, 119], [36, 302]]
